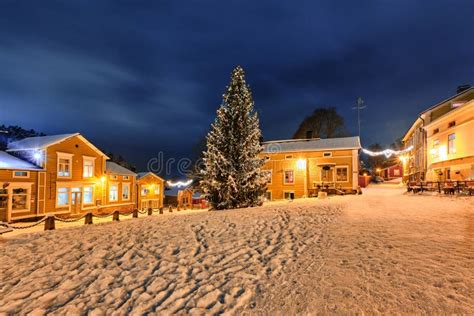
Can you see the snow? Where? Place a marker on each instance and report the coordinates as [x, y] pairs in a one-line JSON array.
[[114, 168], [293, 145], [38, 142], [382, 252], [8, 161]]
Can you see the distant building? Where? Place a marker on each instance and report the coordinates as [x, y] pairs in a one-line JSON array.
[[151, 190], [442, 140], [302, 168], [392, 172]]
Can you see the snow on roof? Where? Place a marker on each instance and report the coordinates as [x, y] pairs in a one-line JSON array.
[[8, 161], [294, 145], [39, 142], [143, 174], [114, 168], [42, 142]]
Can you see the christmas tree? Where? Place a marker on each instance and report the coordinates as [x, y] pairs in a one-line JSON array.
[[232, 175]]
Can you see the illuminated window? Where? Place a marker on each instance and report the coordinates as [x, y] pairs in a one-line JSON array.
[[63, 197], [125, 191], [451, 144], [88, 167], [157, 189], [342, 174], [88, 195], [113, 192], [144, 190], [289, 177], [64, 165], [20, 199]]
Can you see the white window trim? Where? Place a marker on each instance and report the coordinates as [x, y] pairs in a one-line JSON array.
[[129, 191], [67, 156], [28, 197], [68, 206], [20, 177], [83, 195], [110, 185], [284, 178], [88, 158], [141, 190], [335, 173]]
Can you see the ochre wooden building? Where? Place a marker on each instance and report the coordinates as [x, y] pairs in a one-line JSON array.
[[303, 167], [150, 190]]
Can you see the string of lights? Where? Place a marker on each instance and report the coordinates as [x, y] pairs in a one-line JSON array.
[[179, 183], [387, 152]]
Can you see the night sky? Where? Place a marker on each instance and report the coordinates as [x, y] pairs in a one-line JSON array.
[[140, 77]]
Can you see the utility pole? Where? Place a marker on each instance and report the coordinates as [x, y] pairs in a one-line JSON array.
[[360, 106]]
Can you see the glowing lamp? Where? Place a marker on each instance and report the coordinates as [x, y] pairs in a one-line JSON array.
[[37, 155], [378, 169], [102, 179], [301, 164]]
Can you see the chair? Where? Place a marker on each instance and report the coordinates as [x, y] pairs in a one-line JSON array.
[[448, 187]]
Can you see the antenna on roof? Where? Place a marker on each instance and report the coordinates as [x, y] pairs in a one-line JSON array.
[[359, 106]]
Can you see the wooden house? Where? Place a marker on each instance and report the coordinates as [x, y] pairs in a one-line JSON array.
[[303, 167], [392, 172], [150, 190], [120, 187]]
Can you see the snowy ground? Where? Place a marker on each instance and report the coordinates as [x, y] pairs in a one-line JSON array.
[[382, 252]]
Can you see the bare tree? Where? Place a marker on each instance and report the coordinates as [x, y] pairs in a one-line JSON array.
[[322, 123]]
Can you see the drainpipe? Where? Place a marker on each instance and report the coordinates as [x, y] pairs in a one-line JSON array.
[[423, 136]]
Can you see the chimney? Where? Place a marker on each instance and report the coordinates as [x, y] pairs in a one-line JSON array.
[[462, 88]]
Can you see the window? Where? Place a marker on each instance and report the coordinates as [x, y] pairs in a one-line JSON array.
[[113, 192], [288, 177], [342, 174], [3, 199], [21, 174], [88, 195], [113, 177], [396, 172], [436, 131], [288, 156], [88, 167], [125, 191], [20, 199], [126, 177], [268, 195], [64, 165], [289, 195], [268, 175], [63, 197], [451, 144], [144, 190], [157, 189], [451, 124], [327, 154]]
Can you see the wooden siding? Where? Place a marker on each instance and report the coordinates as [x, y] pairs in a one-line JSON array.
[[151, 182]]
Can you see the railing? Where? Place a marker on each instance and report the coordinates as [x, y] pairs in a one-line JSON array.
[[50, 220], [448, 187]]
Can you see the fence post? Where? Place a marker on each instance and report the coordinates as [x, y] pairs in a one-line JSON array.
[[178, 208], [170, 209], [49, 223], [161, 210], [88, 219], [150, 211], [439, 187], [115, 216], [135, 213]]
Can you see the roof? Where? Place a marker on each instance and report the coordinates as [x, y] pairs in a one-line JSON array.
[[114, 168], [317, 144], [42, 142], [447, 100], [8, 161], [144, 174], [174, 192]]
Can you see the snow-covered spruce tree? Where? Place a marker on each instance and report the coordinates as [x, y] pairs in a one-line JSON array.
[[232, 176]]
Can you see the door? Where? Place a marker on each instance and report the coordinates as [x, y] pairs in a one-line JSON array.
[[3, 205], [76, 201], [327, 174]]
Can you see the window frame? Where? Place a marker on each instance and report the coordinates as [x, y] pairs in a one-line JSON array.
[[88, 159], [289, 192], [113, 184], [327, 152], [293, 177], [84, 195], [27, 198], [347, 173], [126, 185], [65, 156], [451, 143], [125, 177], [20, 177], [68, 192]]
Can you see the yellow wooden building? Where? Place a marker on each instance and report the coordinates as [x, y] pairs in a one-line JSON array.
[[150, 188], [303, 167]]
